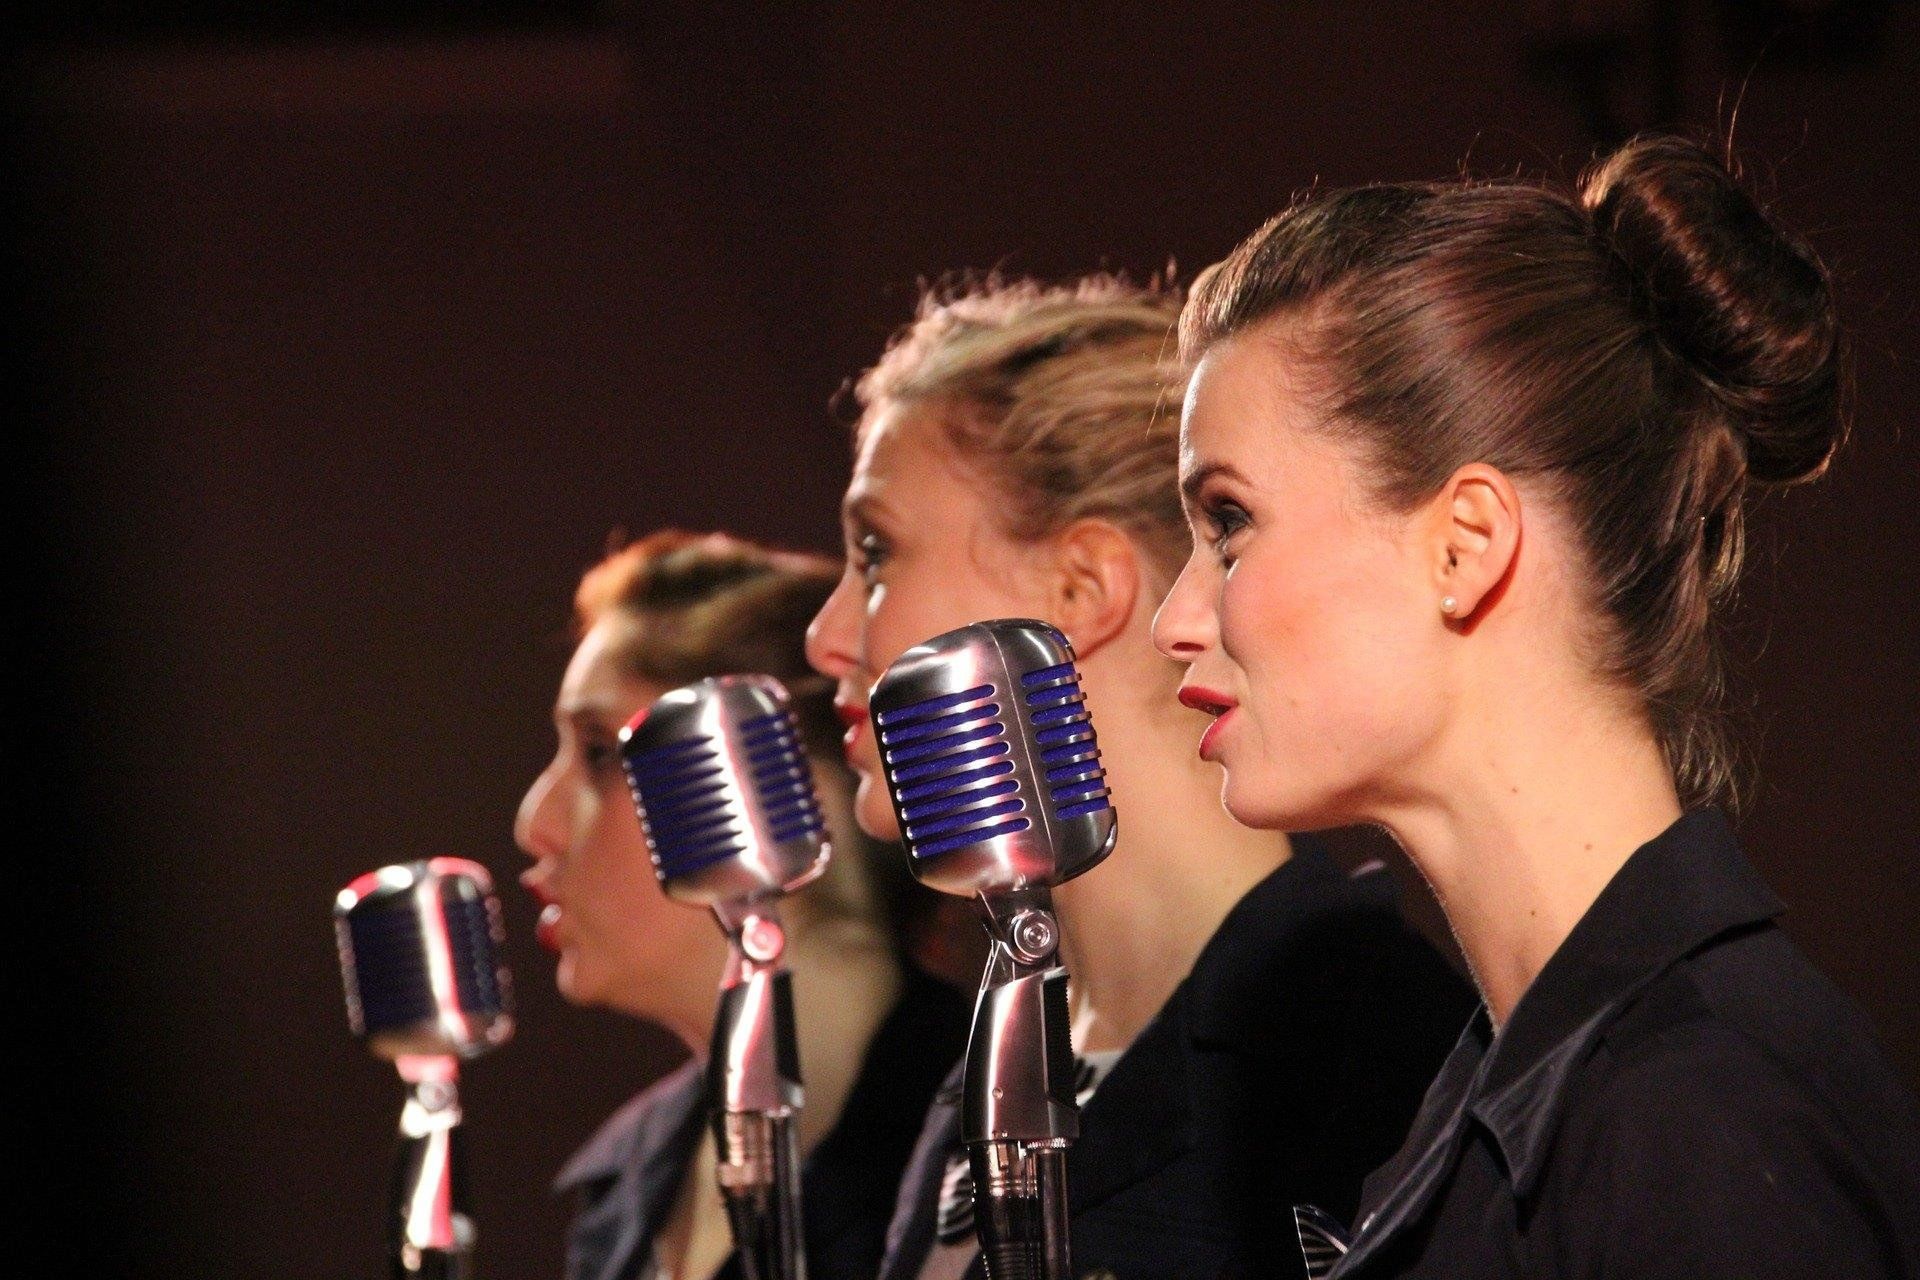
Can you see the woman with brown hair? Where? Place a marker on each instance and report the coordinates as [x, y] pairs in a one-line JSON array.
[[876, 1035], [1466, 465], [1256, 1025]]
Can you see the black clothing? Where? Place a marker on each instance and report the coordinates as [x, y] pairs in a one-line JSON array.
[[1284, 1067], [630, 1172], [1678, 1094]]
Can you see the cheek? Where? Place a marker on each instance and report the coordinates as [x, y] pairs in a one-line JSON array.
[[949, 583], [615, 880], [1337, 687]]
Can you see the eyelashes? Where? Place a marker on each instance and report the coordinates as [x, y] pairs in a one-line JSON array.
[[1224, 518], [870, 552], [599, 756]]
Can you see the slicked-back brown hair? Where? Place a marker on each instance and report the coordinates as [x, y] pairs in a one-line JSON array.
[[1639, 348]]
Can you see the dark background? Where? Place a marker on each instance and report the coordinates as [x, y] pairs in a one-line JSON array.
[[345, 337]]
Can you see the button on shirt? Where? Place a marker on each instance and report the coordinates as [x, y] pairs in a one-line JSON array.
[[1679, 1094]]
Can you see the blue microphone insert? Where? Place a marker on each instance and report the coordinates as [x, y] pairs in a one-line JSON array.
[[948, 754], [1064, 733], [682, 788]]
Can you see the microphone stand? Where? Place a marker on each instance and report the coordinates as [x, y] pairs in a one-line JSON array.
[[1019, 1112], [753, 1087], [432, 1233]]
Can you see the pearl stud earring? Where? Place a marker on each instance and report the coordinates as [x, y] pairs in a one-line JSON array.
[[1448, 604]]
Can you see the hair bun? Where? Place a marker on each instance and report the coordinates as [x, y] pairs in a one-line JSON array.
[[1749, 308]]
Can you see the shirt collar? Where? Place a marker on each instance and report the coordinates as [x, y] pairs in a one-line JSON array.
[[1687, 886], [653, 1131]]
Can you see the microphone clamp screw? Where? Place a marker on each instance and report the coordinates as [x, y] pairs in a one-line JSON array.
[[1032, 935], [762, 940]]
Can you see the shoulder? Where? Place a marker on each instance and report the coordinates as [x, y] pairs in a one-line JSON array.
[[1315, 951], [1703, 1140], [1753, 1022], [643, 1122]]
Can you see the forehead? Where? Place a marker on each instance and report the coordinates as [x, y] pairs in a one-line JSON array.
[[904, 452], [597, 675], [1249, 411]]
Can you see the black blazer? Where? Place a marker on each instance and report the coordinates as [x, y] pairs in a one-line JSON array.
[[1282, 1070], [1678, 1094], [628, 1174]]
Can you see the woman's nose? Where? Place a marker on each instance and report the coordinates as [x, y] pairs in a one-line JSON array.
[[539, 827], [1185, 625], [833, 636]]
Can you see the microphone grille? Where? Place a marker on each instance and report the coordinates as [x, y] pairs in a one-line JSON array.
[[419, 957], [725, 789], [681, 788], [991, 759], [947, 758], [1063, 732], [781, 775]]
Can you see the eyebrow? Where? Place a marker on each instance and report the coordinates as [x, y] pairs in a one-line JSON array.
[[863, 509], [1194, 481], [596, 712]]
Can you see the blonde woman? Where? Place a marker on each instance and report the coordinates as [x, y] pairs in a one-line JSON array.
[[1257, 1025]]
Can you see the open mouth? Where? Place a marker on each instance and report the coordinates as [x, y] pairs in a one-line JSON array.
[[1203, 699], [547, 932]]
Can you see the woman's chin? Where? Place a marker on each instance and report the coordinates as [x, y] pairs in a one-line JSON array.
[[873, 809], [571, 982], [1264, 810]]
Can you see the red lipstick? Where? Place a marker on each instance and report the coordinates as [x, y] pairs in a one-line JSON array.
[[543, 932], [852, 715], [1216, 704]]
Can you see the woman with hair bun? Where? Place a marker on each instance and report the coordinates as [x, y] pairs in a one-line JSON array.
[[1256, 1025], [1466, 466], [876, 1034]]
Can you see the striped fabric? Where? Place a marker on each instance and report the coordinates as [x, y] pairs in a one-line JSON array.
[[1323, 1241]]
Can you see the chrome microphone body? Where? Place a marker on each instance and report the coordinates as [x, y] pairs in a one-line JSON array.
[[994, 771], [419, 954], [725, 792]]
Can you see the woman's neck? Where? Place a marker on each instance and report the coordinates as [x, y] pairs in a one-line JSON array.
[[1525, 820], [846, 979], [1132, 927]]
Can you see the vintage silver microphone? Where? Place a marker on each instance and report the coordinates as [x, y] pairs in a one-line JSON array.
[[419, 952], [990, 758], [726, 794]]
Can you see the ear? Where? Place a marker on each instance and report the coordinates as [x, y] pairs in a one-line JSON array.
[[1475, 540], [1095, 583]]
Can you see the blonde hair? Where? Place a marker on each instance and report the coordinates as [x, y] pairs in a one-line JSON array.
[[1067, 397]]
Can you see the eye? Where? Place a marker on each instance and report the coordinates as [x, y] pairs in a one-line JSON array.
[[1224, 519], [601, 756], [870, 555]]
